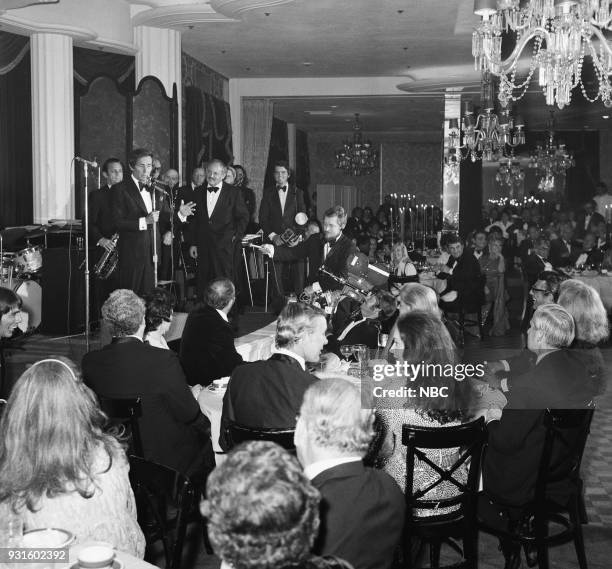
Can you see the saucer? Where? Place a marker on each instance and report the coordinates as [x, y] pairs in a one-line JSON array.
[[116, 565]]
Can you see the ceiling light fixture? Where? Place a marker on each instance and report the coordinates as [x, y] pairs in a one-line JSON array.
[[561, 32], [357, 157]]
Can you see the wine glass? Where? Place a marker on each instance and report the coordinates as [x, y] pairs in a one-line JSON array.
[[347, 351], [361, 352]]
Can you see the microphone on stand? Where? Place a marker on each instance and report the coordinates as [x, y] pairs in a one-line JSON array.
[[91, 163]]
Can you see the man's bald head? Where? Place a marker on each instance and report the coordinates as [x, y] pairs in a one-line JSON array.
[[171, 177]]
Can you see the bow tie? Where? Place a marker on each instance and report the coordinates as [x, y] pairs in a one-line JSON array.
[[282, 188], [213, 189], [142, 186]]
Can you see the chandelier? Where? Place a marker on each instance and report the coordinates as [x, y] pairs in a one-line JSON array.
[[509, 172], [488, 136], [357, 157], [551, 159], [563, 33]]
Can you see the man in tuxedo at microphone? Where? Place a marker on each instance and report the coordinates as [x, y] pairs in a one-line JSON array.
[[220, 220], [280, 204], [135, 218], [330, 251]]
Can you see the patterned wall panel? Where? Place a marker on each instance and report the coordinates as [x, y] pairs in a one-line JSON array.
[[413, 168]]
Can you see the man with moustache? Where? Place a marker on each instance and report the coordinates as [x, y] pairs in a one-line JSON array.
[[134, 216], [330, 251], [220, 220]]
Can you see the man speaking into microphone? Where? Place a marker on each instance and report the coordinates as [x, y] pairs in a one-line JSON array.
[[134, 215]]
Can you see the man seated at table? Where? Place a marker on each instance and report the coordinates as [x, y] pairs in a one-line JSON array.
[[268, 394], [537, 261], [173, 430], [464, 286], [516, 435], [362, 327], [207, 346], [590, 257], [362, 509], [564, 251]]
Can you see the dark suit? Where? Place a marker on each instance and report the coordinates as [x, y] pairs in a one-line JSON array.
[[136, 245], [174, 431], [215, 235], [266, 393], [533, 266], [313, 248], [207, 347], [563, 253], [466, 279], [273, 219], [362, 515], [581, 222]]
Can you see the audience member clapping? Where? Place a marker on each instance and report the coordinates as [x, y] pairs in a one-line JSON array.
[[58, 468]]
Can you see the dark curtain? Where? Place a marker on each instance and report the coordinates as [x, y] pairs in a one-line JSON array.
[[208, 129], [89, 64], [581, 179], [470, 196], [302, 164], [15, 131], [279, 149]]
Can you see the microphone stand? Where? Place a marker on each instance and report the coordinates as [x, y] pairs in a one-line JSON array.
[[154, 239], [86, 259]]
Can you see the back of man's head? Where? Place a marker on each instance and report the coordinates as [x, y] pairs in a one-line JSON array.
[[332, 422], [124, 311], [219, 293]]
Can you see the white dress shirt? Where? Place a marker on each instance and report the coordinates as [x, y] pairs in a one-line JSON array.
[[291, 354], [313, 470], [211, 200], [146, 198], [222, 314], [283, 197]]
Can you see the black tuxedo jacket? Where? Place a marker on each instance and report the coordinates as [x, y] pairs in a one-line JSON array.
[[533, 266], [266, 393], [563, 254], [313, 248], [136, 246], [594, 257], [207, 347], [362, 515], [271, 218], [215, 234], [101, 223], [174, 431], [580, 222], [466, 279]]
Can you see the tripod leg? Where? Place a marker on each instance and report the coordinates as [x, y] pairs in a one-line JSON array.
[[246, 269]]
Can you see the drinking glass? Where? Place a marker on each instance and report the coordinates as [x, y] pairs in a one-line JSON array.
[[346, 351], [361, 352]]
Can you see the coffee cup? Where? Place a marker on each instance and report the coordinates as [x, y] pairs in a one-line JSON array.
[[100, 556]]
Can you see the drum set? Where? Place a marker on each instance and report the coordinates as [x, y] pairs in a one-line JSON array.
[[20, 270]]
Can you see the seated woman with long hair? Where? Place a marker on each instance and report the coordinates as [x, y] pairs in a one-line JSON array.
[[57, 466], [412, 296], [426, 341]]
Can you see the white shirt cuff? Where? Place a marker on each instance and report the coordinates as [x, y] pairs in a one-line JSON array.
[[317, 287], [505, 364], [271, 236], [142, 223], [504, 385]]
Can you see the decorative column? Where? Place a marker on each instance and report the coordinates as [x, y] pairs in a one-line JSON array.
[[52, 126], [291, 144], [159, 55]]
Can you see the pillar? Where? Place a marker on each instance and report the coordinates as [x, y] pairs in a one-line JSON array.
[[52, 126], [159, 55], [291, 144]]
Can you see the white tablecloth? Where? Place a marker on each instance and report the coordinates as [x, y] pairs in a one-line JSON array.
[[257, 345], [602, 284], [128, 561], [430, 280], [211, 404]]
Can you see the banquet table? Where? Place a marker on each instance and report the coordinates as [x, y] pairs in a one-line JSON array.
[[127, 561], [602, 284]]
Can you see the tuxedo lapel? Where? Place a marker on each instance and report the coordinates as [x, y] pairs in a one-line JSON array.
[[134, 192]]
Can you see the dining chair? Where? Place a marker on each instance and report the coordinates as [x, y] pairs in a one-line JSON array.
[[443, 519], [282, 437], [125, 411]]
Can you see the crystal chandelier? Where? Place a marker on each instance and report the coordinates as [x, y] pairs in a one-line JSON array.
[[488, 136], [357, 157], [563, 33], [509, 173], [551, 159]]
